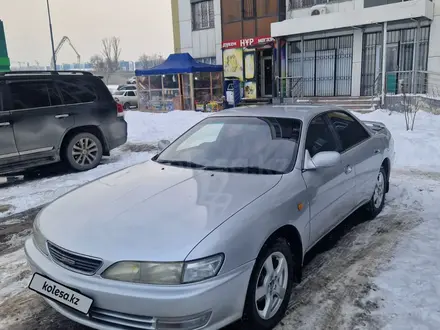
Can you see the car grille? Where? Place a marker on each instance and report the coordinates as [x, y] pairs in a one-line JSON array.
[[121, 319], [73, 261]]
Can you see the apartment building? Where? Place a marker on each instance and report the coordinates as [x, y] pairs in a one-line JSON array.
[[356, 47], [197, 29]]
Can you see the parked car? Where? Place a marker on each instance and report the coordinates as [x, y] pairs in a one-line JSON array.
[[126, 98], [47, 117], [215, 228], [127, 88], [132, 80]]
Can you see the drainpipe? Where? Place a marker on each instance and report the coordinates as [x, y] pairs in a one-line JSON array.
[[384, 62]]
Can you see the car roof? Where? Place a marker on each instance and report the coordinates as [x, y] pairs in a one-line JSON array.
[[303, 112]]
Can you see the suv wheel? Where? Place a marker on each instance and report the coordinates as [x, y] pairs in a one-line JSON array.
[[84, 152], [126, 106], [270, 287]]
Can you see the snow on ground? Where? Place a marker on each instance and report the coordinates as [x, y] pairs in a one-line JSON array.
[[409, 285], [112, 88], [144, 129]]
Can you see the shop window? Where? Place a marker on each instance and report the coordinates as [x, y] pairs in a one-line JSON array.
[[203, 15], [207, 60]]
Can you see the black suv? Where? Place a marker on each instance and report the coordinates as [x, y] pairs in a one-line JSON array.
[[52, 116]]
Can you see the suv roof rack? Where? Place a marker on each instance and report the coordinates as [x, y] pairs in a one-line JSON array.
[[15, 73]]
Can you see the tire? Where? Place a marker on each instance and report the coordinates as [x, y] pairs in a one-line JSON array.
[[126, 106], [377, 201], [83, 152], [260, 284]]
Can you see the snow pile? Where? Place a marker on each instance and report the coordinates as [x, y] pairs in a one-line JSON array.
[[419, 149]]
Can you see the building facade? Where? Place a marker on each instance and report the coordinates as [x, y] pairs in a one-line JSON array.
[[359, 47], [197, 29], [249, 51]]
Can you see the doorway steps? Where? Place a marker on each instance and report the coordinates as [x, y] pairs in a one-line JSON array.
[[353, 103]]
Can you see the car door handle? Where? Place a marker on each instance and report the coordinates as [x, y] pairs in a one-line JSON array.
[[376, 151], [61, 116], [348, 169], [5, 124]]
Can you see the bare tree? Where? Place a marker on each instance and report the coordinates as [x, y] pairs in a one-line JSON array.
[[149, 61], [97, 62], [111, 51], [411, 105]]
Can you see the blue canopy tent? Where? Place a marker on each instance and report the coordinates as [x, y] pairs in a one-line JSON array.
[[180, 82]]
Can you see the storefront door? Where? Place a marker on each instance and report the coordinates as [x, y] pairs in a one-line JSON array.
[[266, 76]]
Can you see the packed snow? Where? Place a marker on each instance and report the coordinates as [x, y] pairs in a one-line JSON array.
[[406, 288]]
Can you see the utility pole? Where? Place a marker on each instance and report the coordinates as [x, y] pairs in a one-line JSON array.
[[51, 37]]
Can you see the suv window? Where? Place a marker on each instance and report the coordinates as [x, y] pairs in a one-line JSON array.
[[131, 94], [349, 131], [320, 137], [77, 91], [33, 94]]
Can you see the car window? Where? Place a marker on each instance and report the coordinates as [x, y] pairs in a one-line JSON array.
[[119, 93], [258, 144], [77, 91], [320, 137], [349, 131], [131, 94], [37, 94]]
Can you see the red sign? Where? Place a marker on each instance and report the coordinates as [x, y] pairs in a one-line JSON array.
[[248, 42]]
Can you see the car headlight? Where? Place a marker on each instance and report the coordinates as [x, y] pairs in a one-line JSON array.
[[38, 238], [165, 273]]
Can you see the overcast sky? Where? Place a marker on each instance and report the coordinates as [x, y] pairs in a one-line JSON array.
[[144, 26]]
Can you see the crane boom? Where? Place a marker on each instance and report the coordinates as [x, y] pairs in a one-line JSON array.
[[60, 45]]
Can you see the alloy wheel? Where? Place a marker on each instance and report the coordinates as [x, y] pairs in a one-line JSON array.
[[84, 151], [271, 285]]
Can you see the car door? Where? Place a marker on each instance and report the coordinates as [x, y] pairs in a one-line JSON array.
[[360, 149], [39, 119], [8, 149], [328, 188]]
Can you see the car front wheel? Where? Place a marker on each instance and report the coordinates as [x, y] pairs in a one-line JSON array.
[[270, 287], [84, 152]]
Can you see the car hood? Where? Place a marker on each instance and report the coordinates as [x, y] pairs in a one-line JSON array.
[[148, 212]]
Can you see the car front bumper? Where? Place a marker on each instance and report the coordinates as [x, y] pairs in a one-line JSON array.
[[218, 301]]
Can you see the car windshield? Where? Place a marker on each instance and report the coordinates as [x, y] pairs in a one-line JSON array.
[[259, 145]]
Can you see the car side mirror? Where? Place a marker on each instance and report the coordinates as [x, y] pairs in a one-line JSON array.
[[163, 144], [322, 159]]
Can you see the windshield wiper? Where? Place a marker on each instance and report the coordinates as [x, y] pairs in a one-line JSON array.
[[243, 169], [180, 163]]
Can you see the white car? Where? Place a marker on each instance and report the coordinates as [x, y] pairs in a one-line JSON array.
[[128, 99], [132, 80]]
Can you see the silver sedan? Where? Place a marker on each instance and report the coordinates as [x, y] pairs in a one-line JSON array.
[[215, 227]]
